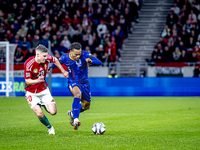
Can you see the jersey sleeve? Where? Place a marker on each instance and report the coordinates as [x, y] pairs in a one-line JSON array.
[[86, 54], [27, 72], [95, 61], [61, 60], [50, 58]]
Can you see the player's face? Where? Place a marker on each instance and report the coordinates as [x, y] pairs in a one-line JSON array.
[[76, 54], [41, 57]]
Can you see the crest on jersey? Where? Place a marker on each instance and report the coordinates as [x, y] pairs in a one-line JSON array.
[[35, 70], [78, 63]]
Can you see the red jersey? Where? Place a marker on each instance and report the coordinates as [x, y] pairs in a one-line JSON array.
[[32, 70]]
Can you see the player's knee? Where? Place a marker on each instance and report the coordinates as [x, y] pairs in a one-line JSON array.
[[86, 106], [54, 112], [40, 114], [78, 95]]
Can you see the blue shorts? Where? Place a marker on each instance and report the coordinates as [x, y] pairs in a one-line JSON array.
[[84, 88]]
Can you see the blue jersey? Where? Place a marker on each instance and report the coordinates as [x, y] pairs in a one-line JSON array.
[[78, 70]]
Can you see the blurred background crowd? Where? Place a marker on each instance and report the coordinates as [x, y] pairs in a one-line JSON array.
[[180, 39], [99, 25]]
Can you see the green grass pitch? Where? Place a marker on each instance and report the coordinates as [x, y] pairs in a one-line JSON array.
[[141, 123]]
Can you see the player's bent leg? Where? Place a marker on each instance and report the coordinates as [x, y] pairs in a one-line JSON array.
[[85, 105], [51, 108], [38, 111], [43, 119]]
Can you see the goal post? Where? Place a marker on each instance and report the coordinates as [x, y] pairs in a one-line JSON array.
[[7, 52]]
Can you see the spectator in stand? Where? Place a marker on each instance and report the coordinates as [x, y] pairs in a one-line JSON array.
[[155, 53], [30, 53], [18, 56], [84, 41], [16, 40], [134, 10], [193, 57], [66, 20], [87, 49], [166, 32], [76, 21], [92, 47], [45, 41], [77, 37], [196, 71], [197, 48], [71, 31], [85, 21], [160, 59], [25, 44], [57, 54], [171, 19], [35, 42], [182, 46], [111, 51], [101, 28], [31, 31], [167, 54], [184, 57], [176, 9], [22, 32], [66, 43], [176, 54], [192, 18], [100, 53], [54, 41], [191, 43], [9, 35]]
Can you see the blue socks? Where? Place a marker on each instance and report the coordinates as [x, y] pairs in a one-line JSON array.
[[76, 107], [45, 121]]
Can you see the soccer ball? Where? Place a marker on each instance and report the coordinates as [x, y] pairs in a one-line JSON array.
[[98, 128]]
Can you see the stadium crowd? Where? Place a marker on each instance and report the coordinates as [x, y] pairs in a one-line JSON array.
[[99, 25], [180, 39]]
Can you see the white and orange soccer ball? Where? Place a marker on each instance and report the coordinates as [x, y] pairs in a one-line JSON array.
[[98, 128]]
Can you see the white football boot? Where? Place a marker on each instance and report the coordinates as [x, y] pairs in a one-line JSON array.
[[71, 119], [51, 131], [77, 123]]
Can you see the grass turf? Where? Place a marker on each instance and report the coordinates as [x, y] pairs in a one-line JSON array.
[[141, 123]]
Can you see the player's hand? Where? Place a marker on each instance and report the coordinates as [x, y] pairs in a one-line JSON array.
[[41, 79], [88, 60], [49, 69], [66, 74]]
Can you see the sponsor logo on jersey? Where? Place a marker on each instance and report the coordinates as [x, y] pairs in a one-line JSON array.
[[35, 70], [45, 66], [28, 74], [52, 100]]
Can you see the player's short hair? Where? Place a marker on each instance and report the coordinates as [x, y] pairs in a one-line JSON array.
[[42, 48], [75, 45]]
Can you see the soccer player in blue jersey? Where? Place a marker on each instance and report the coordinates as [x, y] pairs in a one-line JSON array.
[[77, 62]]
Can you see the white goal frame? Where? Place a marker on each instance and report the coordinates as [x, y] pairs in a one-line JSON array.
[[7, 44]]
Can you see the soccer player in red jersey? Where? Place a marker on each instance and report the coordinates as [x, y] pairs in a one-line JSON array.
[[37, 92]]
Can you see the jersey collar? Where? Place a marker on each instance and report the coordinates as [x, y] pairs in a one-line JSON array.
[[71, 57]]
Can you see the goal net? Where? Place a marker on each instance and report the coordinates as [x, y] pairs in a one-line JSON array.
[[7, 52]]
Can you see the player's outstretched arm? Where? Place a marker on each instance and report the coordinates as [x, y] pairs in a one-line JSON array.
[[93, 60], [38, 80], [64, 72]]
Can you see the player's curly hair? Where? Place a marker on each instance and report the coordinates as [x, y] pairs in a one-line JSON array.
[[75, 45], [42, 48]]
